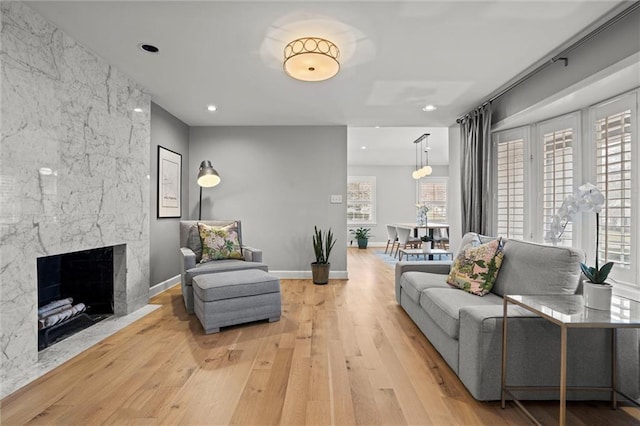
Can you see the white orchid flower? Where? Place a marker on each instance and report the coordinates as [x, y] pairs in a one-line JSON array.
[[591, 199]]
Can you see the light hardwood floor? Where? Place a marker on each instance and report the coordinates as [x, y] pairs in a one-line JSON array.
[[344, 353]]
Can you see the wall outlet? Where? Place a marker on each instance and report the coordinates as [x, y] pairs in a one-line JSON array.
[[336, 199]]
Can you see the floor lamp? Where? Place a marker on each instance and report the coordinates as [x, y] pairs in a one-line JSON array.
[[207, 177]]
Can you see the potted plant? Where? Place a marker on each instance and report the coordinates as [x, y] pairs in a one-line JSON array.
[[322, 245], [427, 243], [596, 291], [587, 198], [362, 235]]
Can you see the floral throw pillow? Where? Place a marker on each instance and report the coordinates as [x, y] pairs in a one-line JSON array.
[[219, 242], [476, 268]]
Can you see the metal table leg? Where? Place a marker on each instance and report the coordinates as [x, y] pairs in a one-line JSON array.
[[504, 353]]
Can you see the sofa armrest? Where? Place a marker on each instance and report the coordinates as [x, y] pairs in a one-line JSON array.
[[432, 266], [252, 254], [188, 259]]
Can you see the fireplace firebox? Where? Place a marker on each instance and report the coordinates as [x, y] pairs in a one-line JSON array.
[[75, 290]]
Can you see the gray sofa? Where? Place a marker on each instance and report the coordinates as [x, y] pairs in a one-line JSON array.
[[190, 258], [467, 329]]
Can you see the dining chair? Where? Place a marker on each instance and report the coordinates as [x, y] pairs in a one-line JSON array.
[[405, 239], [392, 238], [441, 238]]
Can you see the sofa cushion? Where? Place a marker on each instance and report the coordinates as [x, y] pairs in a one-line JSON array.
[[412, 283], [222, 266], [529, 268], [475, 240], [443, 306], [475, 269], [234, 284], [219, 242]]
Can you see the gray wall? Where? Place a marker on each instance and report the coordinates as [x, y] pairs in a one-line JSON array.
[[277, 180], [609, 47], [395, 196], [171, 133]]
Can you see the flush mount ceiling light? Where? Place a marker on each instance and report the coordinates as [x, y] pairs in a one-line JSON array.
[[212, 108], [311, 59], [430, 108]]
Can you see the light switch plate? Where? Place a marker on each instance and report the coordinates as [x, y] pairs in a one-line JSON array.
[[336, 199]]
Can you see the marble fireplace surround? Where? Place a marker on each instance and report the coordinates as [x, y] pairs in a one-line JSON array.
[[74, 173], [118, 262]]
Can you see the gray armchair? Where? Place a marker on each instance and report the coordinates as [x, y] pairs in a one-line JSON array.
[[191, 252]]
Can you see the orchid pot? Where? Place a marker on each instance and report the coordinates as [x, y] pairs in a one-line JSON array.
[[597, 296]]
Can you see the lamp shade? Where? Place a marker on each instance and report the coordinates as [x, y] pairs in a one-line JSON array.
[[207, 175]]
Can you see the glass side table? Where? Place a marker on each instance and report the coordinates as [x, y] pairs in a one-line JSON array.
[[568, 311]]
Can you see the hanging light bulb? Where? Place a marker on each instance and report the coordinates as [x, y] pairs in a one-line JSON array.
[[425, 170]]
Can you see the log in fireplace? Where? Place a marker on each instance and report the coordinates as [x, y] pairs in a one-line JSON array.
[[75, 290]]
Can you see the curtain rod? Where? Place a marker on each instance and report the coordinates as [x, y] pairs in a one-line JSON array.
[[562, 56]]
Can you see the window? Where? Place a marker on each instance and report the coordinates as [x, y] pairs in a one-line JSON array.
[[614, 142], [557, 138], [510, 202], [531, 180], [433, 193], [361, 200]]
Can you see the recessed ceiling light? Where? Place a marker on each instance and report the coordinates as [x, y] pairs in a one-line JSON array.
[[212, 108], [429, 108], [363, 147], [149, 48], [137, 110]]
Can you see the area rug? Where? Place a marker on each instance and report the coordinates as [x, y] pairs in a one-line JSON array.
[[389, 260]]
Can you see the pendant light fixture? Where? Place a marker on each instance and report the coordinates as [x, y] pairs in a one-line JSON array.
[[425, 170]]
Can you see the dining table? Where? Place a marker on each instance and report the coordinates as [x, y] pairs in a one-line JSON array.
[[429, 227]]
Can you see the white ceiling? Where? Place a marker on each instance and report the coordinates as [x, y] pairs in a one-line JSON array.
[[393, 146], [397, 56]]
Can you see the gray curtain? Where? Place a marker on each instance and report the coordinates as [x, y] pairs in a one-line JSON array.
[[476, 170]]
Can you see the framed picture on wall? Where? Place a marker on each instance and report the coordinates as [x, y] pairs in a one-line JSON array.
[[169, 183]]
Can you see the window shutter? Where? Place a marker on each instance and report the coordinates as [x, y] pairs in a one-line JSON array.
[[510, 188], [613, 178], [433, 193], [361, 197], [557, 176]]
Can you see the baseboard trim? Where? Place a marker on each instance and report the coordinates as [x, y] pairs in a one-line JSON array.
[[354, 243], [164, 285], [303, 275]]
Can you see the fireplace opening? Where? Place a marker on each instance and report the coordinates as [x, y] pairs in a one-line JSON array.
[[75, 291]]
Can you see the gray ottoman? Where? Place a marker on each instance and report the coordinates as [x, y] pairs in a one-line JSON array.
[[236, 297]]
